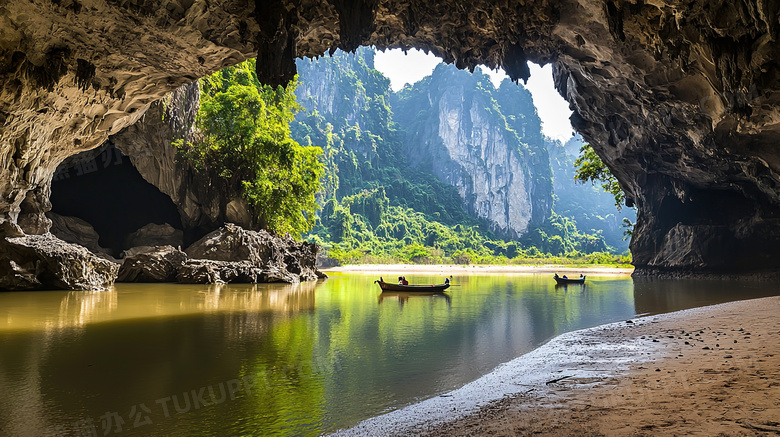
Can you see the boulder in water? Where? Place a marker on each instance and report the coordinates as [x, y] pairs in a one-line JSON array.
[[33, 262], [159, 264]]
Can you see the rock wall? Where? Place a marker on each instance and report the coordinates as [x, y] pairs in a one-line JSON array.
[[72, 73], [680, 99], [149, 143], [459, 132], [200, 204]]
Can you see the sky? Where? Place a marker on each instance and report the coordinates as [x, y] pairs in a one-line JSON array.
[[552, 108]]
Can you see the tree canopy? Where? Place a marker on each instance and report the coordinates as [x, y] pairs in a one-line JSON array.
[[245, 143], [590, 168]]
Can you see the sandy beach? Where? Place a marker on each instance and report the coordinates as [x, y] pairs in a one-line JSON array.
[[454, 269], [705, 371]]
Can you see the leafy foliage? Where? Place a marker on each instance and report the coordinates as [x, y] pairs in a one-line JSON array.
[[245, 143], [590, 167], [365, 228]]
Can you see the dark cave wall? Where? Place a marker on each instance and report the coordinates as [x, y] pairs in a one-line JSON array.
[[107, 192], [680, 99]]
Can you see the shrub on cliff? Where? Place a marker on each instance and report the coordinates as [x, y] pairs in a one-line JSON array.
[[245, 143]]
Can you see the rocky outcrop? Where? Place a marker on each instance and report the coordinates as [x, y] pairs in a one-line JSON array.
[[155, 235], [34, 262], [229, 254], [233, 254], [679, 99], [458, 130], [157, 264], [75, 230], [201, 271]]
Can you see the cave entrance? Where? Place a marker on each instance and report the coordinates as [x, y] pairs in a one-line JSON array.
[[103, 188]]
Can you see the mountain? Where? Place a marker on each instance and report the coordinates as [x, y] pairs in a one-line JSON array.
[[449, 169], [456, 127], [348, 115]]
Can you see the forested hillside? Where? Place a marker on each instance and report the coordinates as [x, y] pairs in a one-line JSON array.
[[589, 205], [448, 170]]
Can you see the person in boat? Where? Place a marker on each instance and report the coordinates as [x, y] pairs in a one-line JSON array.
[[581, 276], [404, 281], [446, 281], [556, 276], [400, 280], [565, 277]]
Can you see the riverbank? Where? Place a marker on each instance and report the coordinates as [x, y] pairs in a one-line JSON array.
[[454, 269], [711, 371]]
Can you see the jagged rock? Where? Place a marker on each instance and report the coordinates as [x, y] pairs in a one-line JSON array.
[[155, 235], [32, 218], [75, 230], [240, 255], [201, 271], [233, 243], [46, 262], [159, 264], [136, 250]]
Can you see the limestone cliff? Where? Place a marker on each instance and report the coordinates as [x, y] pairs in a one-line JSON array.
[[323, 88], [458, 131], [680, 99]]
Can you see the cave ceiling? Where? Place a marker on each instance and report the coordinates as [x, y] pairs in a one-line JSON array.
[[680, 99]]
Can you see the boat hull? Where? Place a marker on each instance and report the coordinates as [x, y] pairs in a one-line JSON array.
[[562, 281], [436, 288]]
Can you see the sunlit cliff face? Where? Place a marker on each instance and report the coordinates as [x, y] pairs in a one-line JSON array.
[[679, 99]]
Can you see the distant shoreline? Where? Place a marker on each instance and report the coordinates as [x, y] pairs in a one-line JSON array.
[[478, 269]]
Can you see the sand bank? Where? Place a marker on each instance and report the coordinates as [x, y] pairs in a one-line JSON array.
[[453, 269], [707, 371]]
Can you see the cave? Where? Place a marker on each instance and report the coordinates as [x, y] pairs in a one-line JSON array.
[[678, 99], [103, 188]]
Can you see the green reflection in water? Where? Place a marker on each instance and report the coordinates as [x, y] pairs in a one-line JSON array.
[[281, 359]]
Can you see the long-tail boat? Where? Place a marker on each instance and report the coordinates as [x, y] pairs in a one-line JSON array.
[[561, 281], [434, 288]]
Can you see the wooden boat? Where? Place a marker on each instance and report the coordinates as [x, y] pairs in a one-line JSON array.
[[436, 288], [562, 281]]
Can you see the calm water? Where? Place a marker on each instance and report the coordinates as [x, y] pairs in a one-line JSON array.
[[278, 359]]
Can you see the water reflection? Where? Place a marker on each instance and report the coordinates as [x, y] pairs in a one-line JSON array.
[[320, 356], [565, 287], [652, 296], [72, 309], [403, 297]]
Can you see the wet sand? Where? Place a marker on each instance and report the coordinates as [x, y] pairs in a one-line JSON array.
[[454, 269], [705, 371]]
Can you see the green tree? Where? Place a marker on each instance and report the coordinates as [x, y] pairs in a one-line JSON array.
[[590, 167], [245, 143]]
